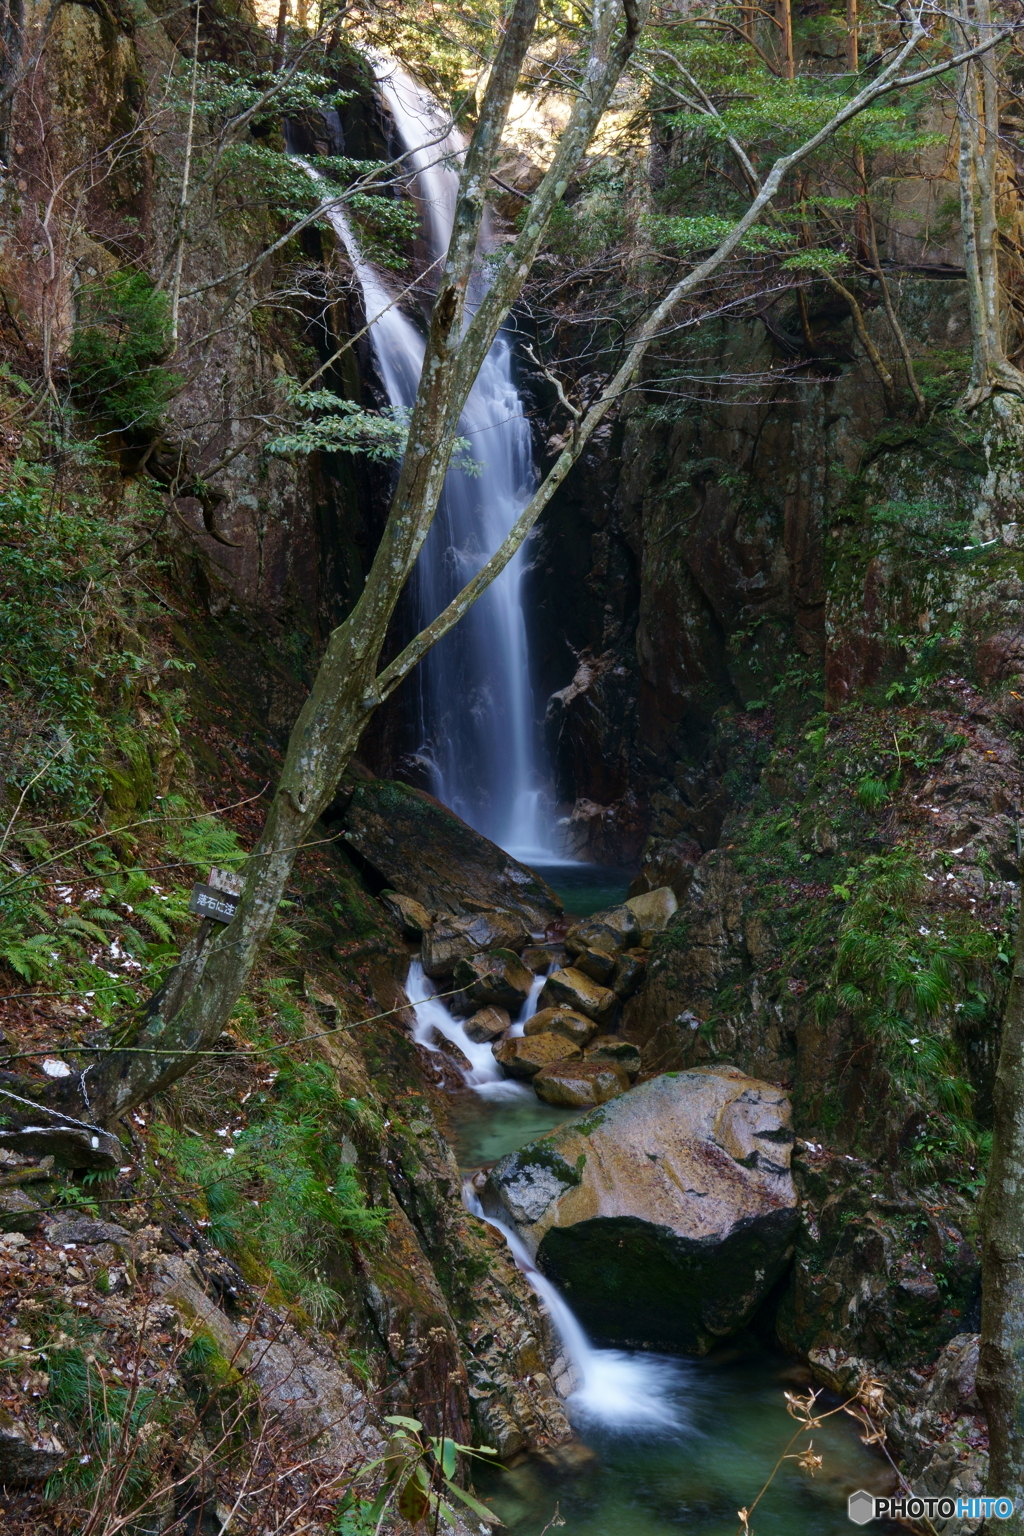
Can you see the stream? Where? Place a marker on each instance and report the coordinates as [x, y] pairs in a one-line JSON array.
[[665, 1443]]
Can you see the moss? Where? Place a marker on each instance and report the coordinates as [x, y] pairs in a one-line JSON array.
[[130, 784], [226, 1400]]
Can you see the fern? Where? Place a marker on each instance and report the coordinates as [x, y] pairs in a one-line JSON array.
[[33, 958]]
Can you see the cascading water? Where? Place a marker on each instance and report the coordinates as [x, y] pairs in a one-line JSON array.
[[433, 1018], [613, 1388], [475, 704]]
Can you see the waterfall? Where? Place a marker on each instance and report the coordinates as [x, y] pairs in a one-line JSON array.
[[475, 717], [614, 1388]]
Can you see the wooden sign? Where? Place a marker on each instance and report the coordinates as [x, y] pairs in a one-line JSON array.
[[220, 905]]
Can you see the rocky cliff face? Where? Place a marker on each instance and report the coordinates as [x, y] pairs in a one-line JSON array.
[[808, 705]]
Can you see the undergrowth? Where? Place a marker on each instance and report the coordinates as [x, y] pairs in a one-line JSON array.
[[283, 1192], [915, 984]]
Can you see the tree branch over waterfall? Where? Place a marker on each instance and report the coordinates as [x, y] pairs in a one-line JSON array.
[[188, 1013]]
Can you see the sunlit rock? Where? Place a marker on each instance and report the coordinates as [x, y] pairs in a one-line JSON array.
[[563, 1021], [580, 1084], [667, 1215], [571, 989], [524, 1055]]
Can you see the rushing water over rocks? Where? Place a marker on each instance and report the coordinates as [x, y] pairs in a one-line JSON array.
[[666, 1444]]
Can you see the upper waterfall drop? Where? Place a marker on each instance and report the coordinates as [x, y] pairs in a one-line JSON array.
[[475, 716]]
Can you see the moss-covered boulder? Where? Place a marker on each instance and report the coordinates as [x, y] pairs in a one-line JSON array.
[[496, 979], [613, 1048], [580, 1084], [668, 1214]]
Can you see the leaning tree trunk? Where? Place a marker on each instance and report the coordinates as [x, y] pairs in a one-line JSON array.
[[978, 118], [1001, 1361], [190, 1011]]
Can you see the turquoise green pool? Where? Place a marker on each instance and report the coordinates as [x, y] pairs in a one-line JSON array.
[[665, 1445], [585, 888], [731, 1426]]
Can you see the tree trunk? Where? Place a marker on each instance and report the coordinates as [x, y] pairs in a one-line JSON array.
[[978, 117], [1001, 1361], [786, 38]]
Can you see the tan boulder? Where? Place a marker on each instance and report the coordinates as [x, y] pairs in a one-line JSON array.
[[677, 1195], [487, 1024], [614, 929], [523, 1056], [653, 909], [564, 1021], [580, 1084], [571, 989], [451, 939]]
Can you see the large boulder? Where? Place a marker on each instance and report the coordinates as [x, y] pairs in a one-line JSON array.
[[523, 1056], [451, 939], [580, 1084], [420, 848], [614, 929], [668, 1214], [571, 989], [563, 1021], [497, 979]]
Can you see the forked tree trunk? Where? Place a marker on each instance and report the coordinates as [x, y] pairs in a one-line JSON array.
[[187, 1015]]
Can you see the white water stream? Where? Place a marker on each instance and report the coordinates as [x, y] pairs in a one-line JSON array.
[[476, 709], [613, 1388]]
